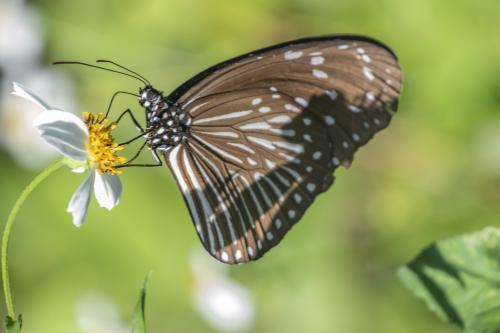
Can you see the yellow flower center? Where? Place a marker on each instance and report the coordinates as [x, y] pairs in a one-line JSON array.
[[101, 146]]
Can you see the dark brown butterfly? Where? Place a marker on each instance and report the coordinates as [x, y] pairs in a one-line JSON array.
[[253, 140]]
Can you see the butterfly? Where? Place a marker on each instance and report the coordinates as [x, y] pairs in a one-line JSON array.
[[253, 140]]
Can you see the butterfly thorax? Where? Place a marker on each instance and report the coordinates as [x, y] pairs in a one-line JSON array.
[[167, 124]]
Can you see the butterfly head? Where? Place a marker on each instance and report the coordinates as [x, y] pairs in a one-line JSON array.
[[149, 97]]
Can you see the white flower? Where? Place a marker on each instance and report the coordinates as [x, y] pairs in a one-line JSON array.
[[21, 35], [17, 134], [96, 313], [88, 145], [223, 302]]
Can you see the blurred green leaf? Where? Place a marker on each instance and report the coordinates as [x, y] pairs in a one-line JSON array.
[[13, 326], [459, 279], [139, 318]]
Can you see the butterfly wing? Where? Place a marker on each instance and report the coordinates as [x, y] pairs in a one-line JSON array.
[[268, 130]]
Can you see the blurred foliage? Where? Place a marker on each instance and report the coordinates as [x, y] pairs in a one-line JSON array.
[[458, 278], [139, 317], [12, 325], [429, 175]]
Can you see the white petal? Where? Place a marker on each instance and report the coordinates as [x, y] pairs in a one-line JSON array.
[[79, 203], [107, 189], [65, 132], [23, 92]]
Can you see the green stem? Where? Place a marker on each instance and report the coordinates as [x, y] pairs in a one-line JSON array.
[[8, 227]]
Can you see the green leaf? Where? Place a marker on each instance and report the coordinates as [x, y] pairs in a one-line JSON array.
[[139, 318], [12, 325], [459, 279]]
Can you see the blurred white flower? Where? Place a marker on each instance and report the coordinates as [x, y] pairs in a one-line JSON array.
[[223, 302], [99, 314], [21, 36], [88, 145], [17, 134], [21, 45]]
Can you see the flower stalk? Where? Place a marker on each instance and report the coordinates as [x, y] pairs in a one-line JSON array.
[[8, 228]]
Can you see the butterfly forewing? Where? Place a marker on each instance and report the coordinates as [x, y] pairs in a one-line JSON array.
[[268, 130]]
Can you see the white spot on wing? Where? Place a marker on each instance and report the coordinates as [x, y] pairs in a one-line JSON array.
[[231, 115], [174, 164], [315, 61], [291, 107], [292, 172], [319, 74], [222, 134], [301, 101], [329, 120], [290, 159], [256, 126], [238, 255], [354, 109], [311, 187], [251, 161], [194, 108], [298, 148], [270, 164], [242, 147], [280, 120], [217, 150], [264, 109], [368, 73], [282, 179], [256, 101], [263, 142], [283, 132], [332, 94], [291, 55]]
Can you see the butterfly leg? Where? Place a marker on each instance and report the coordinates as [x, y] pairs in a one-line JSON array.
[[113, 99], [155, 155], [134, 120]]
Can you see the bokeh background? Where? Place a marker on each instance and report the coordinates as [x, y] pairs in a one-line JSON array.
[[435, 172]]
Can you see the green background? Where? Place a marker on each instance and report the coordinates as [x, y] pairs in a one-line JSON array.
[[432, 174]]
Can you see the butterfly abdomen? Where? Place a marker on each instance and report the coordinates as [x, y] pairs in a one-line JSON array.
[[167, 125]]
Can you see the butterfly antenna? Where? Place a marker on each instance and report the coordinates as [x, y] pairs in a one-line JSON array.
[[144, 81], [123, 67]]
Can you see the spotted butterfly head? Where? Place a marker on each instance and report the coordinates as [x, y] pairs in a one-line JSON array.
[[149, 96]]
